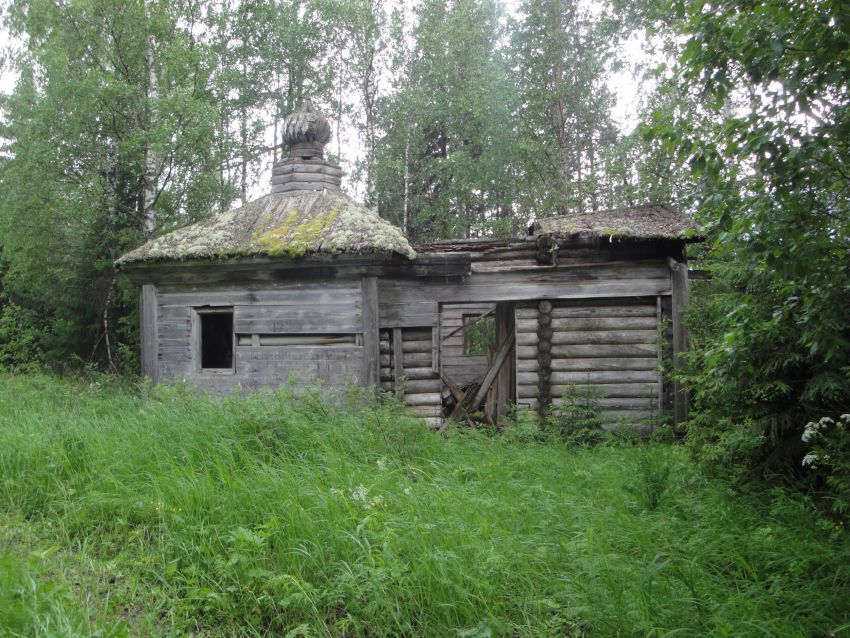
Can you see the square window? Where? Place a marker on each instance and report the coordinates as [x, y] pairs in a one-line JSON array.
[[215, 339]]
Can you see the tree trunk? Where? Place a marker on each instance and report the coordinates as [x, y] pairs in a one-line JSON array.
[[152, 162]]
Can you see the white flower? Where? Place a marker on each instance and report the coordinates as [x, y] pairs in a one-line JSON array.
[[408, 491], [809, 432], [360, 493], [845, 417], [810, 459], [382, 464], [826, 421]]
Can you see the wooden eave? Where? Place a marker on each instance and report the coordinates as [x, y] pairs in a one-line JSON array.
[[312, 267]]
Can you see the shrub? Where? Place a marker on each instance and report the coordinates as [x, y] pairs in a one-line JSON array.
[[577, 418]]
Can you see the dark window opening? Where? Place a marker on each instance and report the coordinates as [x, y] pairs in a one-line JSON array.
[[479, 334], [216, 339]]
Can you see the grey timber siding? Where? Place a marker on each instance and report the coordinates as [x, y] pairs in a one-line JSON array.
[[149, 345], [609, 344], [409, 302], [318, 312]]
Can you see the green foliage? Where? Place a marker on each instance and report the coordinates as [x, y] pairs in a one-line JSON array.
[[292, 514], [20, 337], [829, 442], [651, 477], [479, 334], [32, 605], [577, 417], [768, 146]]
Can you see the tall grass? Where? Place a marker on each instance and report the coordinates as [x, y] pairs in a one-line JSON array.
[[289, 514]]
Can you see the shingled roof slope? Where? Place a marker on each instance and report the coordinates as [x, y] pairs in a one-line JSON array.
[[278, 224], [635, 222]]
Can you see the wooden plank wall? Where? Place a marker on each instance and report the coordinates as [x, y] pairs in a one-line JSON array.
[[407, 367], [609, 344], [275, 308], [461, 368], [407, 302]]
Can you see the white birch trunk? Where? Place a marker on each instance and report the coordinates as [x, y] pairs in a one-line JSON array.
[[152, 162]]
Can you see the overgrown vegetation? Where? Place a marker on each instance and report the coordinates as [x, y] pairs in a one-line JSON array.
[[763, 123], [161, 512]]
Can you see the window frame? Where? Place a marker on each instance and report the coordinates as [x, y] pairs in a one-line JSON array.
[[197, 345]]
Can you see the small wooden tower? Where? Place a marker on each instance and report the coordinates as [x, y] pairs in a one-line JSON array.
[[284, 286]]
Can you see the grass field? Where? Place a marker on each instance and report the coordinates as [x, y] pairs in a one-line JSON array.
[[138, 512]]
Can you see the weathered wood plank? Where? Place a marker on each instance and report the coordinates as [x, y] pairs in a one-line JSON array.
[[616, 390], [346, 294], [592, 323], [289, 320], [569, 312], [588, 351], [498, 362], [419, 373], [149, 332], [453, 387], [419, 386], [420, 346], [299, 353], [371, 337], [435, 348], [680, 337], [599, 363], [592, 337], [429, 399], [524, 392], [404, 299], [502, 392], [427, 411], [397, 360], [593, 377]]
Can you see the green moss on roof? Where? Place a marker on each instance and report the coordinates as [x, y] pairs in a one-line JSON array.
[[636, 222], [291, 225]]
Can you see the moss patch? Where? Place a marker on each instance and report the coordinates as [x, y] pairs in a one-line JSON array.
[[296, 239]]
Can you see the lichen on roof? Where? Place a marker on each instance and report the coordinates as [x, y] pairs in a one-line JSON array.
[[635, 222], [285, 225]]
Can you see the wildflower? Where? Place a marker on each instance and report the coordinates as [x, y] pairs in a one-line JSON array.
[[382, 464], [809, 432], [360, 493], [376, 501], [408, 491], [810, 460]]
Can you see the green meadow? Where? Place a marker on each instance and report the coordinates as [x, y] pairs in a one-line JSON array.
[[130, 511]]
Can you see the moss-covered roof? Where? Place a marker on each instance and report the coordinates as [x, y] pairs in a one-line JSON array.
[[635, 222], [286, 225]]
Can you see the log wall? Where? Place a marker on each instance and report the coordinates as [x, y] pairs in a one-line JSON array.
[[408, 367], [608, 344]]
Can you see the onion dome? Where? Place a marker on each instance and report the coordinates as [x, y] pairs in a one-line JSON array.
[[305, 133]]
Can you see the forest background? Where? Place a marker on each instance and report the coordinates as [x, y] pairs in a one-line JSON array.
[[129, 119]]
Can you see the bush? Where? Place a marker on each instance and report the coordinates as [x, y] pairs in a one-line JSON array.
[[577, 418], [829, 455]]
